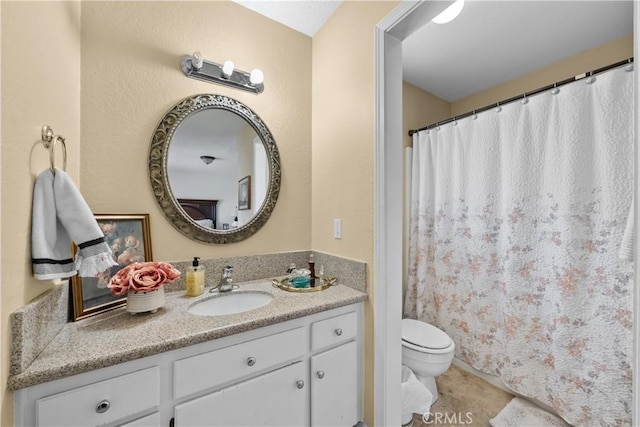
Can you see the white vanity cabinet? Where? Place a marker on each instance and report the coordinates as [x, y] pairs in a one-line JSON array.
[[301, 372]]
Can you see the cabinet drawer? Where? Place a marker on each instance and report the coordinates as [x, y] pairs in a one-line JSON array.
[[214, 368], [119, 397], [333, 331]]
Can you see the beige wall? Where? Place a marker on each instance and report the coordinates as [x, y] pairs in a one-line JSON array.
[[610, 53], [343, 145], [40, 85], [131, 76], [420, 108]]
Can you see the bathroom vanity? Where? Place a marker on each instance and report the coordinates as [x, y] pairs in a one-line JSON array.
[[254, 368]]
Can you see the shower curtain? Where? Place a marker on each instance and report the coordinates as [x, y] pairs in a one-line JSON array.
[[515, 229]]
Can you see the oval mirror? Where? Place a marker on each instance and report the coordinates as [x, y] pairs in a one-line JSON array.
[[214, 168]]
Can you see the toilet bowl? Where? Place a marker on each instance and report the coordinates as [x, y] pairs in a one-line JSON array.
[[427, 351]]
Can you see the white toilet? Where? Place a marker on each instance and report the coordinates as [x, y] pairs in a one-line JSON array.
[[427, 351]]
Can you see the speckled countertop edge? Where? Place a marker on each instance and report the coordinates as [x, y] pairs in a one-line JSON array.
[[118, 336]]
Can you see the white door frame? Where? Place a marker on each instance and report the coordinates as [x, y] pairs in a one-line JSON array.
[[407, 17], [389, 33]]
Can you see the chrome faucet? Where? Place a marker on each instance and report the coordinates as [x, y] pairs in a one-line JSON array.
[[226, 283]]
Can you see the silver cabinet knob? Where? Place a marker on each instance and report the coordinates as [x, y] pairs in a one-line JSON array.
[[300, 384], [251, 361], [338, 332], [103, 407], [320, 374]]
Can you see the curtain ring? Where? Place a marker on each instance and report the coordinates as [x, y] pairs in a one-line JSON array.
[[629, 66], [590, 79], [52, 153], [555, 89]]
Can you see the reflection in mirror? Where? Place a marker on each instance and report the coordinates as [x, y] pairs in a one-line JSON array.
[[214, 169], [237, 152]]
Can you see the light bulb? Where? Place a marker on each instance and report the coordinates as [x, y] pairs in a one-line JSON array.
[[227, 69], [450, 13], [256, 77], [196, 60]]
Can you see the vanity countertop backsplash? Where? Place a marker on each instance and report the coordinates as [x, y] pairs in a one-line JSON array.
[[118, 336]]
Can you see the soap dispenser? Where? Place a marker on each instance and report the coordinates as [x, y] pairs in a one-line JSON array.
[[195, 278]]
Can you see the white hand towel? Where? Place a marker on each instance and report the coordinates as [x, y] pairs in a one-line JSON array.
[[61, 215]]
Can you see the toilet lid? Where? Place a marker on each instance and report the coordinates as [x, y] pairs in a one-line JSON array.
[[424, 335]]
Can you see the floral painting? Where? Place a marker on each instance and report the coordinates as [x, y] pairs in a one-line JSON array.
[[129, 238]]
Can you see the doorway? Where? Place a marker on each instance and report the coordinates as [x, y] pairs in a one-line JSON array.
[[389, 34]]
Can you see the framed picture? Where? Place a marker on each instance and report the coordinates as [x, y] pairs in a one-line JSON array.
[[129, 238], [244, 193]]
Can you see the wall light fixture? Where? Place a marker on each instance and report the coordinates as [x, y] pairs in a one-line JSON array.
[[195, 67]]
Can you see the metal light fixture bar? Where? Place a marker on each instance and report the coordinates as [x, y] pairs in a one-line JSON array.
[[212, 72]]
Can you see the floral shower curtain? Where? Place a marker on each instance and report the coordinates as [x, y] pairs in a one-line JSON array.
[[516, 222]]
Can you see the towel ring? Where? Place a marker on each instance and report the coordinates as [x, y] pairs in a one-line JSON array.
[[52, 153], [49, 140]]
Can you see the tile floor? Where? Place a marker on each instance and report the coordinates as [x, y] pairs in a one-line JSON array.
[[465, 399]]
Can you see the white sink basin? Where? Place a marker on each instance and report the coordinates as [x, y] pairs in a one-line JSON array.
[[230, 303]]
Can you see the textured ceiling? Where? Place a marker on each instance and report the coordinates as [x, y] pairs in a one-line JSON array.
[[305, 16], [491, 42]]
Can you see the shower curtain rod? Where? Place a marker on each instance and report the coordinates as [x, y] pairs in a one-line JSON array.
[[524, 95]]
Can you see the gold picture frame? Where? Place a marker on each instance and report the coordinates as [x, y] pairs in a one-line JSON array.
[[244, 193], [129, 237]]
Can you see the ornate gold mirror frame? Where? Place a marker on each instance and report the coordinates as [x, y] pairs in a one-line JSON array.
[[158, 172]]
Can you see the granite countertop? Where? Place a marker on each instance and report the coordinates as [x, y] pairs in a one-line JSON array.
[[118, 336]]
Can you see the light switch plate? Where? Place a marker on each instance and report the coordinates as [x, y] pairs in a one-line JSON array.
[[337, 229]]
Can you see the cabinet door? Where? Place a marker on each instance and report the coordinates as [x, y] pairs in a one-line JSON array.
[[334, 387], [148, 421], [278, 398]]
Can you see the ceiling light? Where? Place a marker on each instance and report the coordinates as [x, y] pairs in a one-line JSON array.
[[207, 159], [449, 13]]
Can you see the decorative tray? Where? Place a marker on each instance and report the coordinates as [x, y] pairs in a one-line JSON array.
[[320, 285]]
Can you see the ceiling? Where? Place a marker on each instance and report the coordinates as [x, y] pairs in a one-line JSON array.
[[305, 16], [489, 43]]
